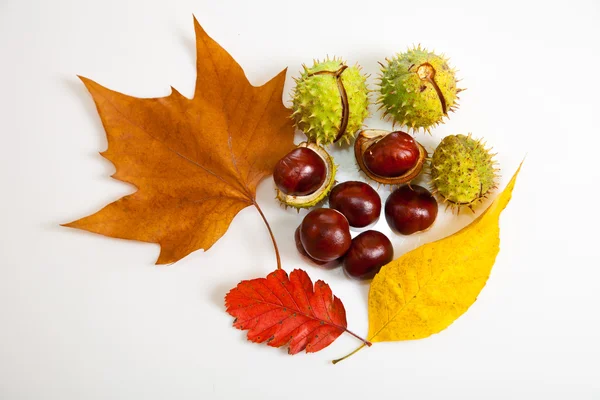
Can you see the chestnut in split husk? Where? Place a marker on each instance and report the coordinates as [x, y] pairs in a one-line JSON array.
[[300, 172], [304, 176], [390, 158], [368, 252], [410, 209], [325, 234], [358, 201]]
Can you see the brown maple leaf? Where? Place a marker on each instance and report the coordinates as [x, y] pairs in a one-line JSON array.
[[195, 163]]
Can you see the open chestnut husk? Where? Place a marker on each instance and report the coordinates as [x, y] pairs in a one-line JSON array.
[[304, 177], [391, 158], [300, 172]]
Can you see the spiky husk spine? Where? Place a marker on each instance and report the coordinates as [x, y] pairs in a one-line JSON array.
[[320, 194], [462, 171], [418, 89], [330, 101]]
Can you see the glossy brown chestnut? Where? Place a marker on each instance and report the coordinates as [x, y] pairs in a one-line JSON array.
[[391, 158], [325, 234], [368, 252], [359, 202], [299, 173], [393, 155], [304, 254], [410, 209]]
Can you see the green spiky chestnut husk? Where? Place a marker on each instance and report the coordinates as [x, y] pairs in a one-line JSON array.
[[462, 171], [330, 101], [418, 89], [322, 192]]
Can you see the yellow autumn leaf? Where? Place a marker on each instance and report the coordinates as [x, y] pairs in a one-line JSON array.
[[425, 290]]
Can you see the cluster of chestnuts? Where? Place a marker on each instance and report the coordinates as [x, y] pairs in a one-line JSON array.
[[417, 90], [324, 237]]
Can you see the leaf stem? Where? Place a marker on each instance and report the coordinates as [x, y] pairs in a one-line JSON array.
[[365, 342], [270, 233], [348, 355]]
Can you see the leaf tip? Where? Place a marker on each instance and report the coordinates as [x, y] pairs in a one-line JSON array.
[[165, 260], [198, 28], [84, 79], [73, 224]]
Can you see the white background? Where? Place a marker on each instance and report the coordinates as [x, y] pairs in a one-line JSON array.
[[88, 317]]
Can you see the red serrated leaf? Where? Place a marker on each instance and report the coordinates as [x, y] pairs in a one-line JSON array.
[[281, 310]]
